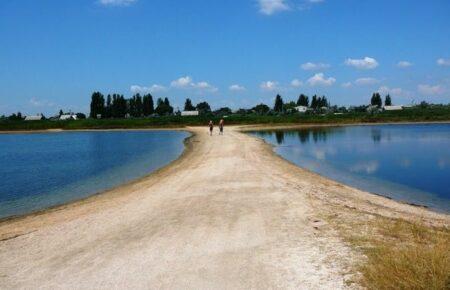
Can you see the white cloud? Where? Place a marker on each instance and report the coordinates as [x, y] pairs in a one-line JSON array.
[[269, 85], [269, 7], [366, 81], [117, 2], [135, 89], [236, 88], [384, 90], [364, 63], [430, 89], [314, 66], [319, 79], [443, 62], [296, 83], [346, 85], [204, 86], [186, 82], [404, 64], [182, 82]]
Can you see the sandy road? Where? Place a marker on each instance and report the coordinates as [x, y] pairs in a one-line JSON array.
[[228, 215]]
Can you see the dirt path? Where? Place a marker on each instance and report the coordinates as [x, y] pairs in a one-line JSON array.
[[228, 215]]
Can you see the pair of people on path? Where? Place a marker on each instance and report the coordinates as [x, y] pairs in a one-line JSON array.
[[211, 127]]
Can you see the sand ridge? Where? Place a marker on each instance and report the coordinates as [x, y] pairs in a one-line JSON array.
[[229, 214]]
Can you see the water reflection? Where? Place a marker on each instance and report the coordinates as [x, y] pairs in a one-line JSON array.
[[413, 159]]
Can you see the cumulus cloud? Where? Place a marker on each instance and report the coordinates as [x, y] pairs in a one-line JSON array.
[[136, 89], [314, 66], [384, 90], [269, 7], [296, 83], [269, 85], [366, 81], [182, 82], [363, 63], [186, 82], [236, 88], [404, 64], [319, 79], [117, 2], [443, 62], [430, 89]]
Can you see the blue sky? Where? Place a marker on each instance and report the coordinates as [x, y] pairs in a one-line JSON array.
[[54, 53]]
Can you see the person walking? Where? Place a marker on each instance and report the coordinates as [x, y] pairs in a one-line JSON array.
[[211, 127], [221, 124]]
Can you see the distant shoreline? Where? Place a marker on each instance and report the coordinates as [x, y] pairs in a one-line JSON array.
[[244, 127]]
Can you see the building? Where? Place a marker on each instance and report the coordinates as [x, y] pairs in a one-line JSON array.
[[301, 109], [189, 113], [34, 118], [65, 117], [393, 108]]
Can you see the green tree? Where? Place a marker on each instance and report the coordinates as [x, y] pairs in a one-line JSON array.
[[168, 106], [303, 100], [388, 100], [61, 112], [223, 111], [278, 106], [261, 109], [108, 109], [188, 105], [163, 107], [314, 102], [97, 105], [139, 105], [376, 100], [203, 108], [148, 108]]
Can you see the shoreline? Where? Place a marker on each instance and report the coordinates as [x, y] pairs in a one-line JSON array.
[[262, 126]]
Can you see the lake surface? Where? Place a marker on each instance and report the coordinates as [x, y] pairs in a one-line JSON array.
[[46, 169], [410, 163]]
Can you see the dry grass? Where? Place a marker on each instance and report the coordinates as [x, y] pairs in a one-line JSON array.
[[399, 254]]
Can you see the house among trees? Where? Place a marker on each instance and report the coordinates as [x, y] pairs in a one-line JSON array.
[[301, 109], [393, 108], [190, 113], [37, 117], [70, 116]]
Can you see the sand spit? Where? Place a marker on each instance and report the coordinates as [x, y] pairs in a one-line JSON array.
[[229, 214]]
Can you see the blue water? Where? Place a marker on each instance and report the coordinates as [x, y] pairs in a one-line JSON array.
[[38, 171], [410, 163]]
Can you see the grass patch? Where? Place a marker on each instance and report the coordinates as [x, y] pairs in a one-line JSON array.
[[401, 254]]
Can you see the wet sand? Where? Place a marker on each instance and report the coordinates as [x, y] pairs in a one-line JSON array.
[[229, 214]]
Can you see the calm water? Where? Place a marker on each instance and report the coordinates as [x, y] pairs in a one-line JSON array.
[[406, 162], [41, 170]]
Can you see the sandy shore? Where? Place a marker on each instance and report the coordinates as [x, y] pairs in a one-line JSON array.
[[229, 214]]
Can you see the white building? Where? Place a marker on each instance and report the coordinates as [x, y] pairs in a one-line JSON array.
[[393, 108], [68, 117], [34, 118], [189, 113], [301, 109]]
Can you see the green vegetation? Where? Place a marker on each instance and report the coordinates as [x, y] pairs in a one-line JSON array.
[[416, 114], [117, 112]]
